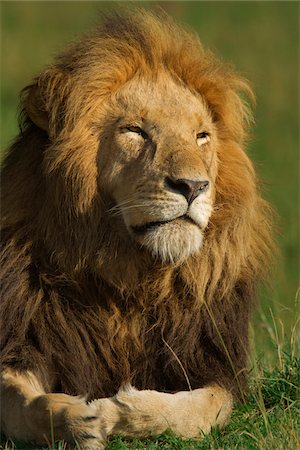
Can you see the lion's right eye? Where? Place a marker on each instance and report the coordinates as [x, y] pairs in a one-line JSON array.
[[134, 129], [137, 130], [203, 138]]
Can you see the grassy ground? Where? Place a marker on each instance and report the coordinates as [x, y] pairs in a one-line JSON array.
[[262, 40]]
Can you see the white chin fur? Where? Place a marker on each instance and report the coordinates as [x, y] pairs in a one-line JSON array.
[[172, 243]]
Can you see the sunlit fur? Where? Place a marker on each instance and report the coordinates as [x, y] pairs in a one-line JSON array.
[[85, 307], [152, 139]]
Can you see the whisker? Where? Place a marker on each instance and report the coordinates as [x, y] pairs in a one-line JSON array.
[[121, 207], [120, 210], [118, 205]]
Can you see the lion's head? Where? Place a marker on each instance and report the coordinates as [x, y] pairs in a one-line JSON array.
[[159, 165], [136, 138]]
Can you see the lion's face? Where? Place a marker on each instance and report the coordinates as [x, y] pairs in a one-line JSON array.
[[158, 160]]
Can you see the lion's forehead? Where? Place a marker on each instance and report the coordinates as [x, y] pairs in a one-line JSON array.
[[164, 101]]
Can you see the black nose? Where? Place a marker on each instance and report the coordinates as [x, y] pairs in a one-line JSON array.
[[190, 189]]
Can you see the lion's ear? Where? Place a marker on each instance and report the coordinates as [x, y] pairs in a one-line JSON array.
[[36, 109], [45, 99]]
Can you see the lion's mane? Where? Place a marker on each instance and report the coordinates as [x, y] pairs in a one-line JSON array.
[[87, 329]]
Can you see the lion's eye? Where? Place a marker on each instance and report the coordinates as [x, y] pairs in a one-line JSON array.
[[137, 130], [203, 138]]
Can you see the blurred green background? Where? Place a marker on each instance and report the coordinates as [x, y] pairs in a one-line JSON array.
[[262, 40]]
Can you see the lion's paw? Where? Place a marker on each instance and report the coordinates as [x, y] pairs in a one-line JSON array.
[[86, 426], [71, 419], [187, 413]]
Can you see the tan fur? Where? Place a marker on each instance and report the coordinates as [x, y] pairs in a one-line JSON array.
[[186, 413], [34, 415], [111, 275]]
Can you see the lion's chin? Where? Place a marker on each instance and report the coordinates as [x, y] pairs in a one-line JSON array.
[[170, 242]]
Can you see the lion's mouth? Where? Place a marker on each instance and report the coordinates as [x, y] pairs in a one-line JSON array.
[[150, 226]]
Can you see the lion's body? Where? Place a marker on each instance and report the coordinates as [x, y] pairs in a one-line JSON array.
[[84, 349], [106, 278]]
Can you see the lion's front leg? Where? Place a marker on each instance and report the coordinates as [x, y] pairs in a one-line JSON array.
[[187, 413], [29, 414]]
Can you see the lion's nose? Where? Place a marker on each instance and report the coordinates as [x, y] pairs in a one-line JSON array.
[[190, 189]]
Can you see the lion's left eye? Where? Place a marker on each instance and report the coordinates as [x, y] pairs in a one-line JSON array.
[[137, 130], [203, 138]]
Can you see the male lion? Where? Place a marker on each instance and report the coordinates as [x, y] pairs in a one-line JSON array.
[[133, 240]]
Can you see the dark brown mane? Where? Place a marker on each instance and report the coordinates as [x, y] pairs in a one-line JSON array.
[[88, 332]]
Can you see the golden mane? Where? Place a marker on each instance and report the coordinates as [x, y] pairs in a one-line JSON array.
[[54, 227]]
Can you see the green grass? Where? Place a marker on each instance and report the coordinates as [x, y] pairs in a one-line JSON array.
[[262, 40]]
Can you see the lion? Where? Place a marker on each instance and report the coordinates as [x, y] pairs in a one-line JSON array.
[[134, 237]]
